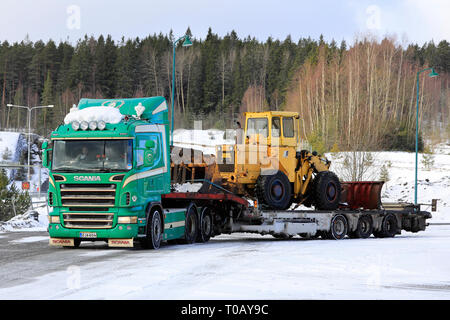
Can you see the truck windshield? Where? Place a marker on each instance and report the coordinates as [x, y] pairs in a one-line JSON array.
[[92, 155]]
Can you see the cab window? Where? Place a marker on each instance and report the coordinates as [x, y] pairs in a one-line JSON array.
[[288, 127], [258, 126], [276, 127]]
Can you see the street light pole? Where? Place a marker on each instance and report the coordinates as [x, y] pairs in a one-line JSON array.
[[29, 109], [187, 43], [431, 75]]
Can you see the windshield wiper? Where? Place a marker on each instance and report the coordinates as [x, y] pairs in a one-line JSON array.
[[65, 169]]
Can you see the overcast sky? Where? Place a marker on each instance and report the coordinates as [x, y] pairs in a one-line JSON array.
[[415, 21]]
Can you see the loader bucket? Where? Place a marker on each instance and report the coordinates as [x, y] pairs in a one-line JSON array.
[[193, 166], [361, 195]]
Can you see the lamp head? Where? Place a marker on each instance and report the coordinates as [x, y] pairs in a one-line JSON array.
[[187, 42], [433, 74]]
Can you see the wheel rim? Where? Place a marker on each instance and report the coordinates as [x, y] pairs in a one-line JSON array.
[[156, 230], [191, 226], [364, 226], [206, 225], [339, 227], [331, 191], [277, 190]]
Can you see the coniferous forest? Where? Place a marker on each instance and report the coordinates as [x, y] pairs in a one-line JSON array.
[[360, 94]]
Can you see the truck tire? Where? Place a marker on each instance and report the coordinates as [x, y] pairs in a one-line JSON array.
[[389, 227], [191, 225], [205, 226], [274, 191], [327, 191], [364, 228], [154, 231], [338, 228]]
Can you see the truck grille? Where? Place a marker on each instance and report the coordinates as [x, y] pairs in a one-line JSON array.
[[84, 220], [88, 195]]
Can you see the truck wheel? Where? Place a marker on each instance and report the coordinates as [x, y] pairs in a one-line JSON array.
[[327, 191], [338, 228], [206, 226], [191, 225], [274, 191], [364, 228], [154, 231], [389, 227]]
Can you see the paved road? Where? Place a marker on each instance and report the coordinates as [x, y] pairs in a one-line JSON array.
[[238, 266]]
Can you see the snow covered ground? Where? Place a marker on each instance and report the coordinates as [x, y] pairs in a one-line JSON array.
[[238, 266], [246, 266]]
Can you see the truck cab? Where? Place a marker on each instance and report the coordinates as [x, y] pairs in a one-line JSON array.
[[106, 176]]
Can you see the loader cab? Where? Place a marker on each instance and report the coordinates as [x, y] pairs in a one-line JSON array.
[[276, 128]]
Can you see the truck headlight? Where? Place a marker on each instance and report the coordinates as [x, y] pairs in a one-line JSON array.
[[126, 220], [54, 219]]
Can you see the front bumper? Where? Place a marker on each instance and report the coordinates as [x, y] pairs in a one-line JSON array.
[[120, 231]]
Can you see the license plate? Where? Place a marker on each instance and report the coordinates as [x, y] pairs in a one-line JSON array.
[[88, 235]]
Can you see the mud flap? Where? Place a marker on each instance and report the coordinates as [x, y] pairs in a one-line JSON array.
[[124, 243], [62, 242]]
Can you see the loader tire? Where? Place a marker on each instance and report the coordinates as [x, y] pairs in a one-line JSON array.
[[274, 191], [327, 191]]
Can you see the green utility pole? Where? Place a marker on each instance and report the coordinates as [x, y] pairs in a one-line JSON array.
[[187, 43], [431, 75]]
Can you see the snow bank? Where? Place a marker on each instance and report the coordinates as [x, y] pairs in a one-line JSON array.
[[32, 220], [107, 114]]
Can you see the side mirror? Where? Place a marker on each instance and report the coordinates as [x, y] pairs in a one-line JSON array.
[[150, 144], [46, 163]]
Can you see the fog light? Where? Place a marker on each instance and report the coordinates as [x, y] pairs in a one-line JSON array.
[[92, 125], [101, 125], [129, 228], [75, 125], [84, 125]]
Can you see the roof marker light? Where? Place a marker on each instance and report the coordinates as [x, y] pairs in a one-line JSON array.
[[84, 125], [75, 125], [101, 125], [93, 125]]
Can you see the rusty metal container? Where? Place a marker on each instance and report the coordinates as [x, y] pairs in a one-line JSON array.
[[361, 194]]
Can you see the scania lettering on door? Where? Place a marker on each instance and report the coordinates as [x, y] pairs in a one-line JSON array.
[[87, 178]]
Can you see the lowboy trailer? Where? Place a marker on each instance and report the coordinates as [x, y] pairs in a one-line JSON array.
[[110, 168]]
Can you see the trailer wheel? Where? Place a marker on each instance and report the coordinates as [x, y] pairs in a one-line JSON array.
[[338, 228], [327, 191], [274, 191], [191, 225], [206, 226], [364, 228], [154, 231], [389, 227]]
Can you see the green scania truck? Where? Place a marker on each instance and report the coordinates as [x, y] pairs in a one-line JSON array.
[[110, 180]]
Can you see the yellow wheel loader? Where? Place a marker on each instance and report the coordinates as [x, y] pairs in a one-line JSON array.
[[266, 163]]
